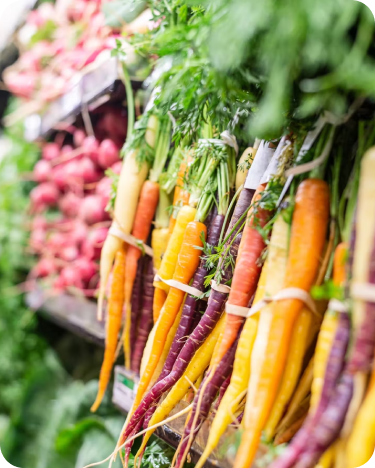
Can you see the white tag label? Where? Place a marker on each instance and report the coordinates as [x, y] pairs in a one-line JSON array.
[[272, 166], [262, 159], [124, 388]]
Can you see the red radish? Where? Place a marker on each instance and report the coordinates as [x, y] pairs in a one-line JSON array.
[[21, 84], [42, 171], [103, 189], [69, 204], [59, 177], [44, 195], [115, 124], [37, 239], [91, 210], [45, 267], [57, 241], [108, 154], [87, 268], [78, 137], [69, 276], [116, 168], [88, 171], [29, 61], [90, 146], [79, 232], [91, 247], [66, 150], [50, 151], [72, 172], [69, 253]]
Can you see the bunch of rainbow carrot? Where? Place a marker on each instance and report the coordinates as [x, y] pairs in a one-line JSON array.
[[263, 298]]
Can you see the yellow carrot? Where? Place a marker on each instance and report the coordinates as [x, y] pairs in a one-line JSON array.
[[292, 371], [361, 442], [133, 174]]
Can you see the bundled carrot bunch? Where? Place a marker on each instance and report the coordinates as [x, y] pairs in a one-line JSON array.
[[263, 278]]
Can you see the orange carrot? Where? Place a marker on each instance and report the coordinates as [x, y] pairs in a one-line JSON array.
[[115, 306], [188, 261], [309, 226], [147, 204], [246, 273], [159, 298]]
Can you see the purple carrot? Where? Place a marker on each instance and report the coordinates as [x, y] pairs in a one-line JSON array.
[[146, 318], [238, 420], [364, 344], [206, 394], [129, 445], [213, 312], [223, 389], [334, 368], [329, 426], [136, 303]]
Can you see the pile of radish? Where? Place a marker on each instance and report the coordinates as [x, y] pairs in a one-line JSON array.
[[69, 204], [57, 42]]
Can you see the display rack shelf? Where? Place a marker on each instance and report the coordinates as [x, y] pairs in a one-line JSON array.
[[78, 315]]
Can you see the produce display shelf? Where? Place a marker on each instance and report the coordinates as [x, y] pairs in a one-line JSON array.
[[88, 90], [78, 315]]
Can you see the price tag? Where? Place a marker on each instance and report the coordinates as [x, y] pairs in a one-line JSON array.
[[258, 168], [124, 388], [272, 166]]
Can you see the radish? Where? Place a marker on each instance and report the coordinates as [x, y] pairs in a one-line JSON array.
[[91, 210], [21, 84], [37, 239], [69, 205], [57, 241], [69, 253], [42, 171], [79, 232], [90, 146], [88, 171], [78, 137], [44, 195], [50, 151], [92, 246], [86, 268], [45, 267], [69, 276], [108, 154], [116, 168], [115, 124], [103, 189], [58, 176]]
